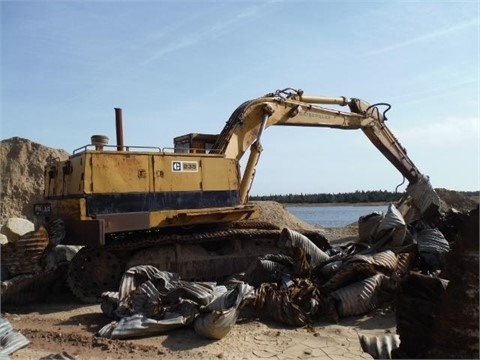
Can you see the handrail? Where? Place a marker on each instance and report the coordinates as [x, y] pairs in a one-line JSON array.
[[114, 147], [165, 149]]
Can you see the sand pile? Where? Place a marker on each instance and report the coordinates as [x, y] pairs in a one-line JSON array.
[[22, 164]]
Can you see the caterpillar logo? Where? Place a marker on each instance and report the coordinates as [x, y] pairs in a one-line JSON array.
[[184, 166]]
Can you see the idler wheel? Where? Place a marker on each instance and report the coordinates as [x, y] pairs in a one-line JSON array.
[[93, 271]]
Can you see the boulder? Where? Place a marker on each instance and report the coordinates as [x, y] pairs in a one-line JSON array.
[[3, 239], [15, 228]]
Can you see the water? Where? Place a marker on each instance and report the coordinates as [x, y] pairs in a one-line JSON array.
[[333, 215]]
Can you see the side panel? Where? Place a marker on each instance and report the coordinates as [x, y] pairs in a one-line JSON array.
[[68, 209], [219, 173], [75, 182], [66, 178], [51, 181], [86, 232], [119, 172], [194, 173], [149, 182], [176, 173]]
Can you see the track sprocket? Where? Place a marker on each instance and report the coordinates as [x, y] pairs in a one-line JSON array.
[[93, 271]]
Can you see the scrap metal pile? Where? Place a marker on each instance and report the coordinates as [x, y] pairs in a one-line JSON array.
[[437, 321], [10, 340], [32, 261], [413, 267], [151, 301], [302, 285], [314, 284]]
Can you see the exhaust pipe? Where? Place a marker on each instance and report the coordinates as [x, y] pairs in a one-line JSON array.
[[119, 128]]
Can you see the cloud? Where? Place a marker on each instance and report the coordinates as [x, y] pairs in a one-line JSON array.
[[439, 91], [429, 36], [219, 28], [458, 132]]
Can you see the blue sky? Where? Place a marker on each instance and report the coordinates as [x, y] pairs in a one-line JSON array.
[[177, 67]]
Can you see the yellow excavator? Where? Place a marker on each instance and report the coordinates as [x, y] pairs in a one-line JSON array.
[[185, 209]]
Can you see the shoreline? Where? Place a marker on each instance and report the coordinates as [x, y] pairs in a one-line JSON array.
[[337, 204]]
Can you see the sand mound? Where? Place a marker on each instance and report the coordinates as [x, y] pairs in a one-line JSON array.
[[22, 165], [277, 214], [456, 200]]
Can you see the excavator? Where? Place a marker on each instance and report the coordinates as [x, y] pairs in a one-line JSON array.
[[186, 209]]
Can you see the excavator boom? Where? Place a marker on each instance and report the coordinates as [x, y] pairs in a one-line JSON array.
[[184, 209], [292, 108]]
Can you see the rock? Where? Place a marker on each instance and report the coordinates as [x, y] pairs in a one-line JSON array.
[[15, 228], [3, 239]]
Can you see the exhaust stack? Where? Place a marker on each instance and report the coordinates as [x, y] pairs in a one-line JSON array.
[[119, 128]]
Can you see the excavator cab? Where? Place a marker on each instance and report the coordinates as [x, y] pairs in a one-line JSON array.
[[194, 143]]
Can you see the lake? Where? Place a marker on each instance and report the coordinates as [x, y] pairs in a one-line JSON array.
[[333, 215]]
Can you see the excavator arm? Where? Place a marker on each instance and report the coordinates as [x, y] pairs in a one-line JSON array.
[[290, 107]]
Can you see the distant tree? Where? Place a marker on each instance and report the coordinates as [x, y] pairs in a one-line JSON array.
[[358, 196]]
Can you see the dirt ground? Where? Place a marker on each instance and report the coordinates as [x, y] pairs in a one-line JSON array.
[[63, 325]]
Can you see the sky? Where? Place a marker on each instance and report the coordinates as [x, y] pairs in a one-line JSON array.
[[178, 67]]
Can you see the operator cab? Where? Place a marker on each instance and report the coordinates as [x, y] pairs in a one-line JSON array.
[[194, 143]]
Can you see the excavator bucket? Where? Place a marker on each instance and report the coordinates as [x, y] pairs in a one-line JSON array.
[[420, 202]]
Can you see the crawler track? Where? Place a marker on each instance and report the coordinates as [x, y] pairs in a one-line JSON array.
[[200, 253]]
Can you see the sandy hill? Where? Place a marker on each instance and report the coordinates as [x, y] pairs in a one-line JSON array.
[[22, 165]]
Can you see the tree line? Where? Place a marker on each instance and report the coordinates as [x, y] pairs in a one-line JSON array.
[[350, 197]]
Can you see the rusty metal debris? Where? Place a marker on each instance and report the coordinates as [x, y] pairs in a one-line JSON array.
[[437, 315], [382, 231], [10, 340], [380, 347], [389, 264], [456, 325], [357, 267], [31, 263], [432, 245], [218, 317], [292, 239], [151, 302], [28, 288], [350, 280], [60, 356], [23, 256], [298, 287], [358, 298], [298, 305], [357, 278], [417, 301], [268, 268]]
